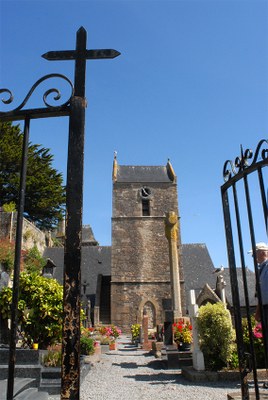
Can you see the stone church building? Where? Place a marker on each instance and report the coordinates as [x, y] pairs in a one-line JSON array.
[[133, 276]]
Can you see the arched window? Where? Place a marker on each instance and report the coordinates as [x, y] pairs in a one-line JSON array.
[[145, 194], [145, 207]]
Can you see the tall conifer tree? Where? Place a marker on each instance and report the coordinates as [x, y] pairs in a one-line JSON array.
[[45, 193]]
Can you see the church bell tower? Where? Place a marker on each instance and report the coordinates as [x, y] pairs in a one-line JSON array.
[[141, 281]]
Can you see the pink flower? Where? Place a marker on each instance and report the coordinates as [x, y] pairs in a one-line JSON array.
[[257, 331]]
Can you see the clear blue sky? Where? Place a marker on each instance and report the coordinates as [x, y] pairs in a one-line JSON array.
[[191, 85]]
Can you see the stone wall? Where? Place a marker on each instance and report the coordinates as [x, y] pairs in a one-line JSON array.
[[31, 235]]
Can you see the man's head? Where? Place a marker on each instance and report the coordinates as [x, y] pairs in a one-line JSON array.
[[261, 252]]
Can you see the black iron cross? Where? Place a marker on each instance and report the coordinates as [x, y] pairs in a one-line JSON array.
[[80, 55], [70, 374]]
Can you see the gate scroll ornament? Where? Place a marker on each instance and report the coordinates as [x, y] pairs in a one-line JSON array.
[[244, 166], [74, 108]]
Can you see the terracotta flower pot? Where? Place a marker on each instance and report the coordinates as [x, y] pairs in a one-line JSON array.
[[112, 346]]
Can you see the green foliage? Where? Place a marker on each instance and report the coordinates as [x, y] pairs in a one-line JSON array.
[[52, 359], [86, 345], [10, 207], [40, 309], [5, 302], [45, 194], [33, 261], [234, 362], [216, 335]]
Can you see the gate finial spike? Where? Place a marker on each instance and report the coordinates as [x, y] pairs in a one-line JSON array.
[[81, 29], [241, 150]]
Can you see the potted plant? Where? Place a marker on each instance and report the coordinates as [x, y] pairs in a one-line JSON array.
[[113, 332], [109, 334], [183, 334], [135, 332]]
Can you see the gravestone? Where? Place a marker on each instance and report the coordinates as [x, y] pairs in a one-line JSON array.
[[168, 334], [198, 357], [146, 345]]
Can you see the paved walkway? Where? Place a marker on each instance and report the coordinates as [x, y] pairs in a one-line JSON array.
[[131, 373], [128, 373]]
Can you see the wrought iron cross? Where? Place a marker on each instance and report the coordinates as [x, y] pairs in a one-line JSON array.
[[80, 55], [70, 375]]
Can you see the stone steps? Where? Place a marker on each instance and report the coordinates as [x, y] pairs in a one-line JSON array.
[[27, 366], [50, 380], [23, 371], [23, 390], [50, 386], [32, 394]]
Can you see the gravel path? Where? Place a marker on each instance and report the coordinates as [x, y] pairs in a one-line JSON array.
[[133, 374]]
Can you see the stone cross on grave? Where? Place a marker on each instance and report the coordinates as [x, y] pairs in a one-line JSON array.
[[70, 378]]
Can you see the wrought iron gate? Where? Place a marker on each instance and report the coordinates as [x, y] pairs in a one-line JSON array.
[[245, 212], [74, 108]]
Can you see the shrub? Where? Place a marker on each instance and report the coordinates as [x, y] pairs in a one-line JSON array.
[[216, 335], [86, 345], [40, 309]]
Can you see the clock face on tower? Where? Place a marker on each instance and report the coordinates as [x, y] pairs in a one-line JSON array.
[[145, 192]]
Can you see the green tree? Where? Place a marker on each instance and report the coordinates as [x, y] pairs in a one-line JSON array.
[[45, 194]]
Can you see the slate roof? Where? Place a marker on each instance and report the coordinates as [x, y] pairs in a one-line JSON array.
[[142, 174], [250, 284], [95, 260], [198, 267], [199, 270]]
